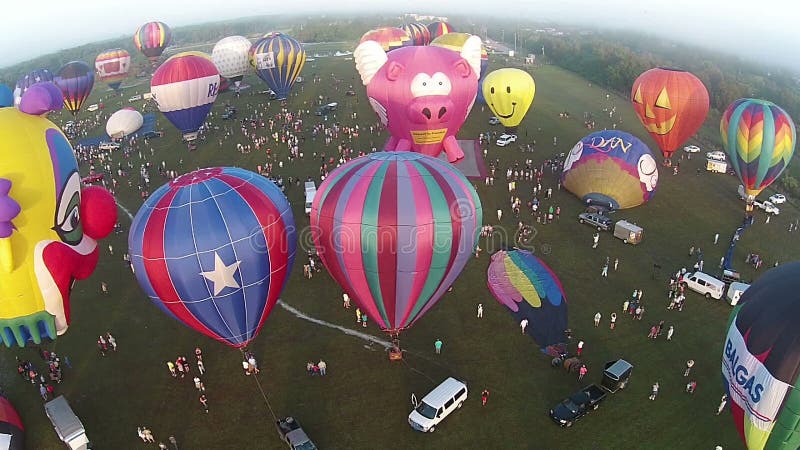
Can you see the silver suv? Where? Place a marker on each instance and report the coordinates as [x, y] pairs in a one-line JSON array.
[[600, 221]]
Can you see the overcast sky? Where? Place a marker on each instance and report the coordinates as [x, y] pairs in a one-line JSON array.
[[763, 30]]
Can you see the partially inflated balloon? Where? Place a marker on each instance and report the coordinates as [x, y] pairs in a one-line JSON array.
[[28, 80], [509, 93], [759, 138], [531, 291], [390, 38], [112, 66], [123, 123], [12, 431], [419, 33], [185, 88], [278, 60], [230, 57], [395, 229], [151, 39], [761, 361], [611, 169], [213, 249], [439, 28], [75, 80], [671, 104]]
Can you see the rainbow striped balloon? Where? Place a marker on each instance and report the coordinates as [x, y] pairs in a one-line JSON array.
[[395, 229], [759, 138], [439, 28], [152, 38], [278, 60]]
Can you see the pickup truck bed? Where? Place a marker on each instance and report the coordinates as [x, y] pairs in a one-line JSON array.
[[577, 405]]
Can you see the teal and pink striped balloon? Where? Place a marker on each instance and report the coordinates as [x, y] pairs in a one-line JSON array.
[[395, 229]]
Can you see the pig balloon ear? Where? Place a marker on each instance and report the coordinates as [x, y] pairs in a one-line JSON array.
[[370, 57], [471, 51], [41, 98]]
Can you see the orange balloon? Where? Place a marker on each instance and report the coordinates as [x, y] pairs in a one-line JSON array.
[[671, 104]]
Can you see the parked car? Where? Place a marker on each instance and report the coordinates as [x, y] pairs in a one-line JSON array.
[[598, 220], [777, 198], [691, 149], [230, 113], [293, 434], [716, 155], [506, 139], [577, 405], [109, 146], [152, 134], [494, 120], [93, 107], [326, 109], [767, 207], [349, 93], [135, 98]]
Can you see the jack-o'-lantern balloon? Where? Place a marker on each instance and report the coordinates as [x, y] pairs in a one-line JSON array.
[[671, 104]]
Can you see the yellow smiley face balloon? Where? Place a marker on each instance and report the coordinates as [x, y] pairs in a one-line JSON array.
[[509, 94]]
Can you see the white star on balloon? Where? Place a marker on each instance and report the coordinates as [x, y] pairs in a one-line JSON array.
[[222, 275]]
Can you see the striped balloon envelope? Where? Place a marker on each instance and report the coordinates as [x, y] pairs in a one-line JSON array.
[[395, 229], [439, 28], [112, 66], [213, 249], [530, 290], [419, 33], [28, 80], [151, 39], [759, 138], [390, 38], [278, 60], [185, 88], [75, 80]]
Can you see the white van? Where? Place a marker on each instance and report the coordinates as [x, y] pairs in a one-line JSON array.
[[438, 404], [311, 192], [109, 146], [705, 284], [135, 98], [93, 107]]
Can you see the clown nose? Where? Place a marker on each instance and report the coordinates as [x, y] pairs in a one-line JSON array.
[[98, 212]]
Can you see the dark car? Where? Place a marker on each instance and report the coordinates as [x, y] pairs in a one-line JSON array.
[[326, 109], [230, 113], [577, 405], [293, 434], [603, 223]]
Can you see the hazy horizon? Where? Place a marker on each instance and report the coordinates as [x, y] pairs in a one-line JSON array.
[[765, 34]]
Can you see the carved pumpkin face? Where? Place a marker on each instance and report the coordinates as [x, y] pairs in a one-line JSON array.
[[671, 105]]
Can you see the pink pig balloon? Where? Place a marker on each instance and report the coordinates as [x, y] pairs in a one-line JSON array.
[[421, 94]]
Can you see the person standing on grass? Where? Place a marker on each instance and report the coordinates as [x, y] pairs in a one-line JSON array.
[[689, 365], [595, 240], [437, 346], [358, 315], [171, 367], [364, 320], [346, 300], [654, 391], [613, 320], [580, 348], [669, 332], [722, 402], [111, 341], [716, 238], [523, 324], [582, 371], [597, 318], [323, 368], [480, 310], [604, 273], [201, 367], [625, 305], [204, 402], [484, 397]]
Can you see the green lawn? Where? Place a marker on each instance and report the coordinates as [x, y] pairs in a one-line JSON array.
[[364, 401]]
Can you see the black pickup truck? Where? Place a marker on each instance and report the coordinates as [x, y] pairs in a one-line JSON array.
[[577, 405]]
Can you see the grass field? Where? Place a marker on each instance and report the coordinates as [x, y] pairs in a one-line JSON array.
[[364, 401]]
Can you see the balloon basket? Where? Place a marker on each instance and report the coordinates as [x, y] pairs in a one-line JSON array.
[[395, 354]]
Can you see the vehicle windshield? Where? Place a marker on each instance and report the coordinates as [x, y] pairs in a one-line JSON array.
[[308, 445], [571, 406], [426, 410]]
